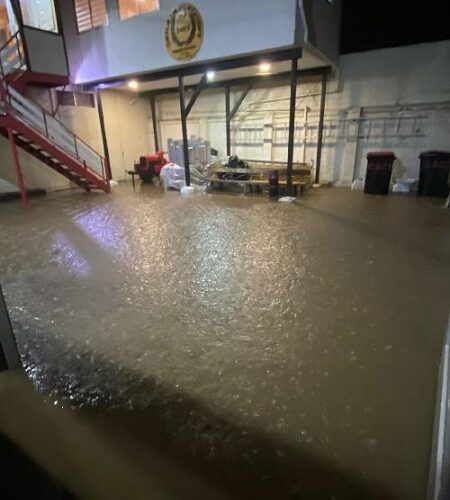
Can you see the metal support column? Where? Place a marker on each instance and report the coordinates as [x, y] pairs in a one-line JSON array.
[[154, 122], [230, 113], [290, 157], [197, 90], [320, 131], [184, 130], [227, 118], [9, 355], [101, 118], [20, 181]]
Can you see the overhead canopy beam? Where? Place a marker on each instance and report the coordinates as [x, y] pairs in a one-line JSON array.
[[201, 68], [255, 81]]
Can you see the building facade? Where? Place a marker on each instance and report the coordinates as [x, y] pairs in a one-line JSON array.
[[93, 48]]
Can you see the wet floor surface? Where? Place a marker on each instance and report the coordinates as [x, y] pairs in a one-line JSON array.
[[295, 345]]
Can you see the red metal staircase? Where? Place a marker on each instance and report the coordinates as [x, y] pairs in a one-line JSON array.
[[32, 128]]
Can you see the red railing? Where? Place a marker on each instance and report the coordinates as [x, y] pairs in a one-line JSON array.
[[36, 115]]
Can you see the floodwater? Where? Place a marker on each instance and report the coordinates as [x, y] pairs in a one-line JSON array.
[[289, 350]]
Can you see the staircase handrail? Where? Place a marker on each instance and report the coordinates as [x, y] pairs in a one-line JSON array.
[[8, 95], [18, 42]]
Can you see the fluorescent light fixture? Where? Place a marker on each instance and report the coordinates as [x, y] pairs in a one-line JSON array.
[[133, 84], [210, 75], [264, 67]]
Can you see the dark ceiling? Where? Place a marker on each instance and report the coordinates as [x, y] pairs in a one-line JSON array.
[[390, 23]]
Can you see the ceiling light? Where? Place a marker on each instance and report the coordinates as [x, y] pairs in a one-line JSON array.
[[210, 75], [264, 67], [133, 84]]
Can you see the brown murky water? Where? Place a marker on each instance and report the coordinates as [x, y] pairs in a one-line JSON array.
[[291, 347]]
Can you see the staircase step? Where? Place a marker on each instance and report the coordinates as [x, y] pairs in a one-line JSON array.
[[69, 165]]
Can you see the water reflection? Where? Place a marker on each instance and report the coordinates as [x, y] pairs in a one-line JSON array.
[[67, 255], [283, 319]]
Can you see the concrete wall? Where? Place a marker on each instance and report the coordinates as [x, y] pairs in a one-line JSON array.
[[137, 45], [396, 99]]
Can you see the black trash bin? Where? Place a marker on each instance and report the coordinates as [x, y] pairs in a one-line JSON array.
[[378, 172], [434, 173]]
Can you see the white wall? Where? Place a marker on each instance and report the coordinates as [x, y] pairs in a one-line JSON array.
[[396, 99]]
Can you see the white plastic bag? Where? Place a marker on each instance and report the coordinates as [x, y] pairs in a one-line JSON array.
[[172, 176]]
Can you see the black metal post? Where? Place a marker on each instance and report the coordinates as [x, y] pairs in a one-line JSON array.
[[101, 118], [187, 173], [154, 122], [240, 100], [9, 355], [290, 157], [320, 131], [227, 118], [200, 86], [15, 4]]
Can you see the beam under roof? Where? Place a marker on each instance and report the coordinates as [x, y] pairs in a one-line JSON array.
[[254, 81]]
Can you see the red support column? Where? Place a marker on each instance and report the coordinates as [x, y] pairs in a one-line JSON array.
[[20, 181]]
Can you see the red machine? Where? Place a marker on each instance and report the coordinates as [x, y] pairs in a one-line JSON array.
[[150, 166]]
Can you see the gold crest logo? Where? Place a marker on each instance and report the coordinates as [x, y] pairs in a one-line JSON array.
[[184, 32]]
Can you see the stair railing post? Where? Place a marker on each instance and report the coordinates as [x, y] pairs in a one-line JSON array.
[[102, 159], [4, 87], [2, 72], [76, 147], [20, 181], [45, 122], [18, 50]]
